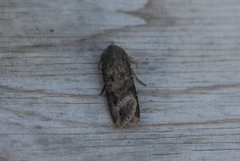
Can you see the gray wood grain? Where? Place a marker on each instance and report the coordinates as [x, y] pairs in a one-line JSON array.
[[187, 52]]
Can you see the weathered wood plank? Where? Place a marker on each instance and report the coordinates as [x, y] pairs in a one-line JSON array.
[[187, 53]]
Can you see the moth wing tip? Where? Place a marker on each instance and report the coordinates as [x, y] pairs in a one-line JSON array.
[[119, 125], [135, 120]]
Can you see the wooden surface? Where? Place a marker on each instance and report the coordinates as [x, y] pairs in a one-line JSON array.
[[187, 52]]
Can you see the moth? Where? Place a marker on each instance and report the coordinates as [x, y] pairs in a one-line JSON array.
[[119, 86]]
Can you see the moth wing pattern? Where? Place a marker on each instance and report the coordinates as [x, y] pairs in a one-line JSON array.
[[119, 86]]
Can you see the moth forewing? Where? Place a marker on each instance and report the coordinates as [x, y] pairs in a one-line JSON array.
[[119, 86]]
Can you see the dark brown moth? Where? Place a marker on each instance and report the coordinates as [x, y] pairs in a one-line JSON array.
[[119, 86]]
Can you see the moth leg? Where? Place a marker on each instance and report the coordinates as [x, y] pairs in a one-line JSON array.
[[135, 76], [102, 91], [99, 63], [131, 61]]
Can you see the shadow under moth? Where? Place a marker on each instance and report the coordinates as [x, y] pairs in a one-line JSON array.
[[119, 86]]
